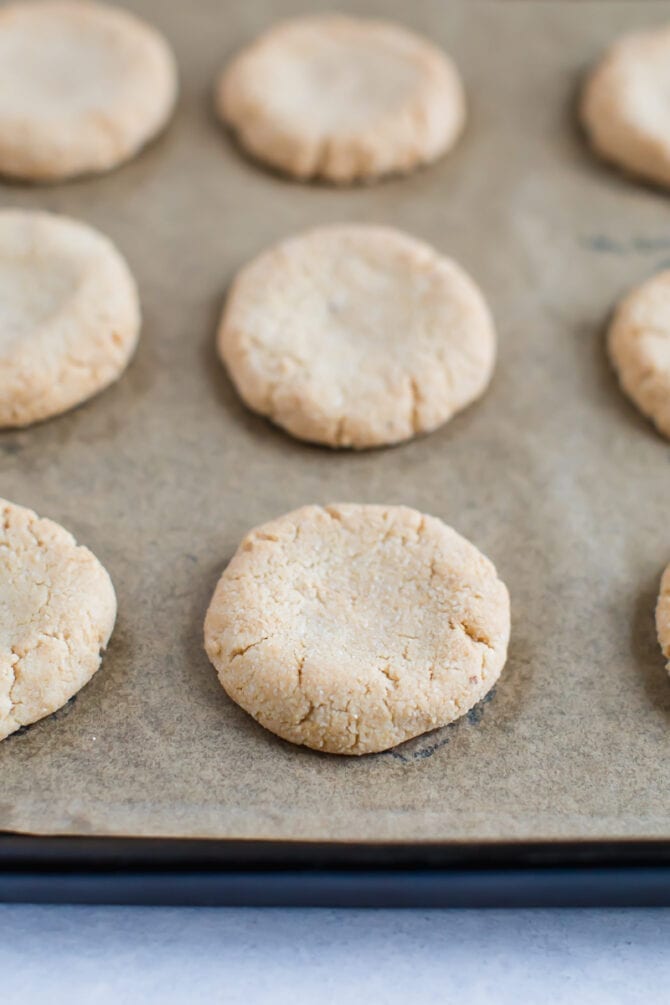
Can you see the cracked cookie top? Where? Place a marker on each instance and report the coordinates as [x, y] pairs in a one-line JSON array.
[[639, 346], [351, 628], [342, 98], [69, 315], [624, 105], [356, 336], [82, 87], [57, 611]]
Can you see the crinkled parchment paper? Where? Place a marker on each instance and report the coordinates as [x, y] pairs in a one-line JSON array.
[[553, 474]]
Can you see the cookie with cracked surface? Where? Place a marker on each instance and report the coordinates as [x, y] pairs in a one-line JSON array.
[[663, 616], [83, 86], [356, 336], [639, 347], [352, 628], [342, 99], [624, 106], [57, 612], [69, 315]]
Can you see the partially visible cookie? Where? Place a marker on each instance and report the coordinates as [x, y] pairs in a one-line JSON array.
[[57, 612], [625, 108], [69, 315], [663, 616], [356, 336], [342, 99], [351, 628], [639, 346], [83, 86]]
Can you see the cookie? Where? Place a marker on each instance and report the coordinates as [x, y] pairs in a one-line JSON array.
[[356, 336], [624, 105], [342, 99], [352, 628], [69, 315], [663, 616], [639, 346], [83, 86], [57, 612]]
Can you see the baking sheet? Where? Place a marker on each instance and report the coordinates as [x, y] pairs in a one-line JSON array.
[[553, 474]]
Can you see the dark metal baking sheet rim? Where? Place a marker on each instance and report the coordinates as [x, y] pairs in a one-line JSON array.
[[82, 870]]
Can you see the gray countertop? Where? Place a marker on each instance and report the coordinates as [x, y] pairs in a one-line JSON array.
[[165, 955]]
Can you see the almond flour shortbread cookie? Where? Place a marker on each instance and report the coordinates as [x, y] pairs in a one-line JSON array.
[[82, 87], [639, 346], [663, 616], [57, 611], [625, 107], [352, 628], [69, 315], [356, 336], [342, 99]]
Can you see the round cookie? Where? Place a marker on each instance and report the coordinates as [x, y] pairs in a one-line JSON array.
[[69, 315], [625, 108], [356, 336], [82, 87], [57, 612], [342, 99], [639, 346], [663, 616], [353, 628]]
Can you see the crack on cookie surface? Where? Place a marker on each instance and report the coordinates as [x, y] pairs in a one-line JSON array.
[[60, 616], [374, 612], [242, 650]]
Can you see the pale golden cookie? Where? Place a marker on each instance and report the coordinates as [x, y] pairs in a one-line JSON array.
[[352, 628], [625, 105], [663, 616], [69, 315], [639, 346], [342, 98], [57, 612], [356, 336], [82, 87]]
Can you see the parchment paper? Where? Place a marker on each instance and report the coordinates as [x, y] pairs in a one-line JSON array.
[[553, 474]]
